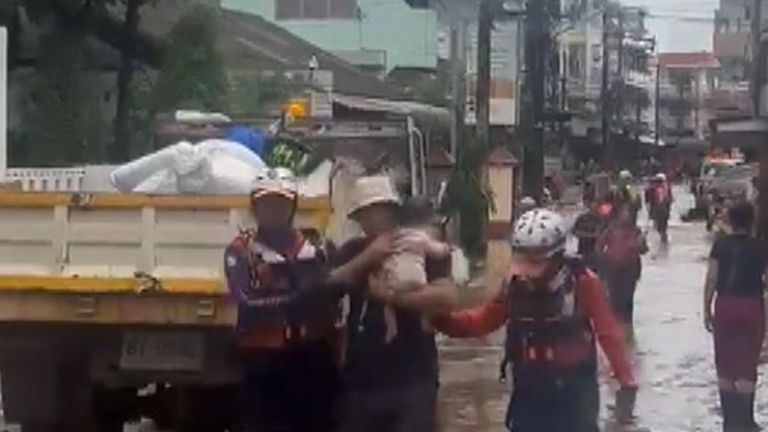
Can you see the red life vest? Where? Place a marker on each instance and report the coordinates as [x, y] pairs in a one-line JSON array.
[[622, 246], [548, 333], [282, 289]]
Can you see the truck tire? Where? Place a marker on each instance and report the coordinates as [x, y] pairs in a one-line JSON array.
[[195, 408], [47, 394], [113, 407]]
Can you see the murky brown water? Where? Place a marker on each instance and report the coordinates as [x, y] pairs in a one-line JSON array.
[[673, 354]]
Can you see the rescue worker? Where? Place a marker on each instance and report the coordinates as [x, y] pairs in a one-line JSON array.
[[554, 310], [658, 198], [619, 249], [737, 278], [626, 194], [285, 324], [587, 228]]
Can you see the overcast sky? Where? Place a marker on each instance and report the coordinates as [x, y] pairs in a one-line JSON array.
[[680, 25]]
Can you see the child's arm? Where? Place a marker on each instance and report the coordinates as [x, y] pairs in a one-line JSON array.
[[420, 242], [437, 249]]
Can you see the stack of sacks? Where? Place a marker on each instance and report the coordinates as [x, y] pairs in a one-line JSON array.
[[210, 167]]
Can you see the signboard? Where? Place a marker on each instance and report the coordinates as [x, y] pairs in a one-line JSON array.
[[505, 50]]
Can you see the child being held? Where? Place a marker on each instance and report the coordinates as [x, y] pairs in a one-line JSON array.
[[419, 238]]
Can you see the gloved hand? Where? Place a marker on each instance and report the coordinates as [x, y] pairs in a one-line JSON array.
[[625, 404]]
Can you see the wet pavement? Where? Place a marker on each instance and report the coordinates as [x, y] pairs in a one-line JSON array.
[[673, 353]]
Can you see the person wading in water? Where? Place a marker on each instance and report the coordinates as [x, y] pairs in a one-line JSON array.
[[286, 324], [736, 280], [554, 310], [619, 248]]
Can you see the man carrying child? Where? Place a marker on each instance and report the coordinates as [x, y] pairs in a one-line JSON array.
[[390, 373]]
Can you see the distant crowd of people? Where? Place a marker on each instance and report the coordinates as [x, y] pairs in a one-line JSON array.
[[610, 240]]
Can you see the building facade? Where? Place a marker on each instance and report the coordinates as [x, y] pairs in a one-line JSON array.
[[376, 35], [688, 81], [627, 85], [731, 43]]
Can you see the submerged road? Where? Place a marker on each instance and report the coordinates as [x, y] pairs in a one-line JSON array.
[[673, 353]]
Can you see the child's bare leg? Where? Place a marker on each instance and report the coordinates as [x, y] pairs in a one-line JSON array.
[[390, 320]]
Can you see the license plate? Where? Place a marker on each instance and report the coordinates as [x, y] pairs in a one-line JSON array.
[[162, 351]]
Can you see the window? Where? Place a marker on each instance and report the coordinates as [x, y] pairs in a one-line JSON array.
[[315, 9], [576, 54]]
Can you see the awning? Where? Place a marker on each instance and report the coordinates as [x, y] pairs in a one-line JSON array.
[[748, 133], [742, 125], [418, 110]]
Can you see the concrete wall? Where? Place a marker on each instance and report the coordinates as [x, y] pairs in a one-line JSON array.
[[408, 36]]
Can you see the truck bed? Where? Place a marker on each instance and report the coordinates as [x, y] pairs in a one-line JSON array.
[[122, 258]]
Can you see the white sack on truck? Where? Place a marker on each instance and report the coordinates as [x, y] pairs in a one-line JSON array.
[[210, 167], [161, 182], [127, 177], [192, 169]]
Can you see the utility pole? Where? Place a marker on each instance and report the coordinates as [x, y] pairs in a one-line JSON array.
[[563, 107], [757, 81], [3, 103], [605, 97], [757, 12], [536, 49], [619, 82], [656, 99], [458, 93], [483, 89]]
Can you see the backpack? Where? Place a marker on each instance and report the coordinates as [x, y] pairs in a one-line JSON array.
[[661, 195], [622, 246]]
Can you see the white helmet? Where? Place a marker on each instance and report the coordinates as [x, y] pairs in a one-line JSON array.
[[661, 177], [275, 181], [541, 232], [526, 204], [625, 174]]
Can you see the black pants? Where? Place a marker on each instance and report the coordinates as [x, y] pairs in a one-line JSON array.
[[542, 403], [408, 409], [294, 390], [621, 292]]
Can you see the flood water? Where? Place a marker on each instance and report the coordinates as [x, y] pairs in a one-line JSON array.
[[673, 353]]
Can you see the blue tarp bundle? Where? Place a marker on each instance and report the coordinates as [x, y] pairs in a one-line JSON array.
[[252, 139]]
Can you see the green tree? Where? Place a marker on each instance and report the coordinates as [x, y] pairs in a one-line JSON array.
[[63, 122], [469, 197], [192, 75]]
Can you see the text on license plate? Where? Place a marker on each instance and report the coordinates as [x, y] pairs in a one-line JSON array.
[[162, 351]]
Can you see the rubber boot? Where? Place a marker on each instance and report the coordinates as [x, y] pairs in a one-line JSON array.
[[728, 408], [745, 409]]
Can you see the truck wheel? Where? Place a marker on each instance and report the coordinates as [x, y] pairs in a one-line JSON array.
[[46, 394], [197, 409], [213, 408], [113, 407]]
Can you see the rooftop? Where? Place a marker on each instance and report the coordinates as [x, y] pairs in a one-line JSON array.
[[250, 42]]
